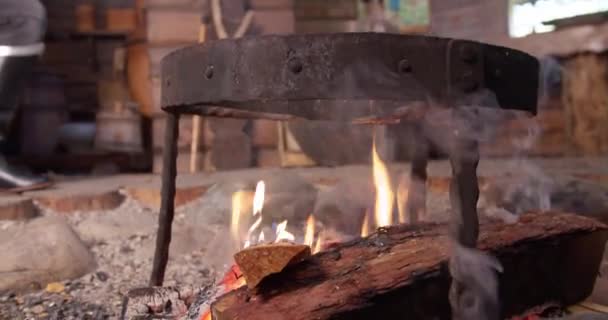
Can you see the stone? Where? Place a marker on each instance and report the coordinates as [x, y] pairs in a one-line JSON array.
[[38, 309], [17, 208], [55, 287], [42, 251]]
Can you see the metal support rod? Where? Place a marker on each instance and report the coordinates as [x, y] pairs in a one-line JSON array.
[[464, 193], [167, 205]]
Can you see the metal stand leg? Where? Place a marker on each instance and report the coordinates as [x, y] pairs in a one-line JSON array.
[[167, 206], [464, 193]]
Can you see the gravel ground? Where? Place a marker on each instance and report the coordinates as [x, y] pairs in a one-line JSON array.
[[123, 239], [124, 263]]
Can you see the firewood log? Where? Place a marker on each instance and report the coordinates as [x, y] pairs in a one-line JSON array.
[[401, 273]]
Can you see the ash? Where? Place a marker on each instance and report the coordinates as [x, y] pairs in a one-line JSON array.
[[124, 252]]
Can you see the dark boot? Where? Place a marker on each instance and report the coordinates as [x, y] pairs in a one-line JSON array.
[[16, 180]]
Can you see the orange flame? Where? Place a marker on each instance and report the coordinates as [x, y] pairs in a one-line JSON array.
[[365, 225], [384, 193], [309, 235], [402, 195], [318, 245]]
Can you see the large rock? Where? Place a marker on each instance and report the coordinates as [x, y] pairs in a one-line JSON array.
[[42, 251]]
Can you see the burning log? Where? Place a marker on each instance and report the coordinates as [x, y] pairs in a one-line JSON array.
[[257, 263], [401, 272]]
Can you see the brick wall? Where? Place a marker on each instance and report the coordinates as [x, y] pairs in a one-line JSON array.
[[481, 20], [224, 143]]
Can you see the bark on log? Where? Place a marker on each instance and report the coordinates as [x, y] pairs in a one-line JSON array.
[[401, 272]]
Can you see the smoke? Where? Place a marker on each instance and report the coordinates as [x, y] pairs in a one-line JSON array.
[[474, 291]]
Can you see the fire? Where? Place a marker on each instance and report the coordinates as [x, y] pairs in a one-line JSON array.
[[309, 235], [365, 225], [402, 194], [258, 205], [319, 244], [384, 193], [283, 234]]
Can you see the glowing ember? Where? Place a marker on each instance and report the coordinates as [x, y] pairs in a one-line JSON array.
[[233, 279], [309, 235], [384, 193], [283, 234]]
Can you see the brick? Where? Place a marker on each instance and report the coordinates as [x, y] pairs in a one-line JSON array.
[[323, 9], [265, 133], [268, 158], [173, 26], [470, 19], [272, 4], [17, 208], [274, 21], [230, 152], [185, 132], [149, 196], [68, 202], [326, 26], [174, 4], [121, 19], [183, 161], [157, 53]]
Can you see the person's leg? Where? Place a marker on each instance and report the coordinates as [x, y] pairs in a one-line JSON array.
[[22, 27]]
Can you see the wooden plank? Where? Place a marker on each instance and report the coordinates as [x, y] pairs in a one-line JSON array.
[[585, 98], [566, 42], [138, 75]]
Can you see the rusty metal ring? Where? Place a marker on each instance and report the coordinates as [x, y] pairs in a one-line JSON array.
[[346, 77]]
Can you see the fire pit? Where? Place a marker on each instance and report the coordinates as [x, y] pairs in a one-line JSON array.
[[358, 78]]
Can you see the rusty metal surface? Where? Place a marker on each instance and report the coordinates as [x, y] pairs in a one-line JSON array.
[[345, 77]]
